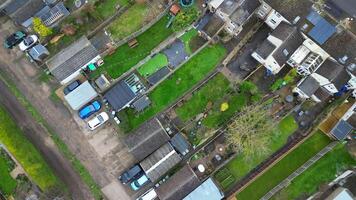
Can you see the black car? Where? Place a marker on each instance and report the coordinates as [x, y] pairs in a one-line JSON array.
[[14, 39], [131, 174], [71, 87]]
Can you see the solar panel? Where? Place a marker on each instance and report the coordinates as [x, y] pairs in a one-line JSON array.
[[322, 29]]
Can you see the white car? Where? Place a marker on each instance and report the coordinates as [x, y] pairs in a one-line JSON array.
[[28, 42], [98, 120]]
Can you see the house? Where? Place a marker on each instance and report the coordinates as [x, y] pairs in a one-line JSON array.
[[38, 52], [69, 62], [124, 92], [330, 76], [234, 13], [50, 16], [146, 139], [160, 162], [207, 191], [275, 51], [345, 125], [270, 16], [209, 26], [179, 185], [21, 10], [341, 8], [80, 96]]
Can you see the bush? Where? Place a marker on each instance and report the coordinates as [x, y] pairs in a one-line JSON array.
[[248, 87], [184, 18], [40, 28]]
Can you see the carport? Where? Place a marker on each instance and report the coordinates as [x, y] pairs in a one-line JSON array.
[[82, 95]]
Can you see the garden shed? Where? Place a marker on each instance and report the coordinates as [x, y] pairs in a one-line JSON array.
[[82, 95]]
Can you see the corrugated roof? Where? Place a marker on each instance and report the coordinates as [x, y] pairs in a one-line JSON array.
[[119, 95], [141, 103], [179, 185], [82, 95], [160, 162], [146, 139], [21, 11], [72, 58], [207, 191]]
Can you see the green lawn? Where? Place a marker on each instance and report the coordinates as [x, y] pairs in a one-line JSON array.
[[28, 156], [153, 65], [238, 167], [285, 167], [187, 37], [7, 183], [321, 172], [176, 85], [210, 92], [125, 57], [129, 22], [107, 8]]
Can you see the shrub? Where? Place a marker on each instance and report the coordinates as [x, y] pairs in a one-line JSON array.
[[184, 18], [41, 28]]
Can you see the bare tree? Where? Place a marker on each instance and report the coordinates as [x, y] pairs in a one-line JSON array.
[[251, 131]]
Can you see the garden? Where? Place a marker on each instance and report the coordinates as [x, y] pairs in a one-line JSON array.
[[176, 85], [153, 65], [281, 170], [26, 154], [187, 39], [126, 57], [7, 183], [322, 172], [237, 168]]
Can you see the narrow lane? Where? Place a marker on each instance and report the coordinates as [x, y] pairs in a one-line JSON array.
[[39, 137]]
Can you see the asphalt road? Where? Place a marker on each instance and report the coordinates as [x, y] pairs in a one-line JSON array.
[[40, 139]]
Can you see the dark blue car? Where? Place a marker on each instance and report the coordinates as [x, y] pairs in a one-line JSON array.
[[90, 109]]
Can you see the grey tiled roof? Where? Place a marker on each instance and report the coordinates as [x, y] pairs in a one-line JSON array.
[[309, 86], [146, 139], [167, 158], [179, 185], [119, 95], [265, 49], [27, 10], [334, 72], [72, 58]]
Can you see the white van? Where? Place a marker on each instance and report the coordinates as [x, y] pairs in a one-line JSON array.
[[149, 195]]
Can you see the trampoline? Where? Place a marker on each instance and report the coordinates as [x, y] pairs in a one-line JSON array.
[[186, 3]]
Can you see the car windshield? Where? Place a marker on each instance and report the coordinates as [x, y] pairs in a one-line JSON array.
[[100, 118], [28, 41]]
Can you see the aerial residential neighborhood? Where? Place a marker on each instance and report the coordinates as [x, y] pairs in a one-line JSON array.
[[177, 100]]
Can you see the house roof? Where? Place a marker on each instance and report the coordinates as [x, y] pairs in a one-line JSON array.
[[348, 6], [244, 11], [20, 11], [179, 185], [341, 130], [80, 96], [291, 9], [146, 139], [180, 144], [119, 95], [38, 52], [174, 9], [322, 94], [265, 49], [309, 86], [334, 72], [212, 27], [229, 6], [291, 38], [54, 14], [141, 103], [352, 120], [72, 58], [207, 191], [158, 75], [160, 162]]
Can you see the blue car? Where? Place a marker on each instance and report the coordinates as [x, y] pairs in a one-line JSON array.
[[90, 109], [138, 183]]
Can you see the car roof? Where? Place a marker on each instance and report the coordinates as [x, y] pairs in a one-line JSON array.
[[143, 179]]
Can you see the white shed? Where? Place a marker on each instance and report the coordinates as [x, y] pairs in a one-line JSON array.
[[82, 95]]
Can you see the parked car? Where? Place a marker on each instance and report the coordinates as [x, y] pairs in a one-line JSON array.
[[131, 174], [98, 120], [14, 39], [28, 42], [149, 195], [71, 87], [89, 109], [138, 183]]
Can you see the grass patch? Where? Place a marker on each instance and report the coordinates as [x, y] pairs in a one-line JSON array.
[[153, 65], [78, 167], [24, 151], [129, 22], [125, 57], [176, 85], [187, 37], [238, 167], [285, 167], [7, 183], [107, 8], [323, 171], [209, 93]]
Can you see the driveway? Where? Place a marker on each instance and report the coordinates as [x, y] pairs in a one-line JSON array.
[[25, 75]]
